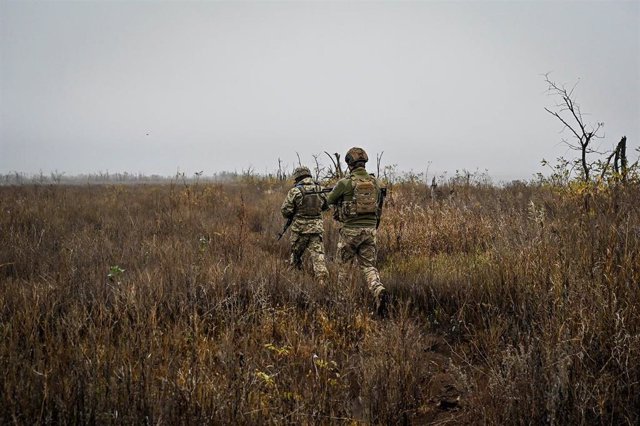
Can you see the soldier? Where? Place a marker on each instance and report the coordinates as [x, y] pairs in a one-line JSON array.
[[358, 201], [305, 204]]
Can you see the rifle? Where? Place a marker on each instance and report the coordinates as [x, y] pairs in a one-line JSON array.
[[383, 194], [286, 226], [322, 191]]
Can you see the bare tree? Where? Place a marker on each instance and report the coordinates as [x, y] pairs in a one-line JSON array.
[[336, 164], [299, 162], [426, 177], [249, 172], [568, 112], [620, 161], [319, 168], [619, 157], [378, 160], [281, 175], [433, 187]]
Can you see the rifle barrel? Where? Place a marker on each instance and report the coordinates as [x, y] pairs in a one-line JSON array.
[[322, 191]]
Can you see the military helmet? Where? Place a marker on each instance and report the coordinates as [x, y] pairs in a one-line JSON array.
[[356, 154], [300, 173]]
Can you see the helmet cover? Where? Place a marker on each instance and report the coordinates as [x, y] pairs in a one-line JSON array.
[[356, 154], [300, 173]]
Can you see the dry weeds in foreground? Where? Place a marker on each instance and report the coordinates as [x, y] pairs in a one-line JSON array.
[[172, 305]]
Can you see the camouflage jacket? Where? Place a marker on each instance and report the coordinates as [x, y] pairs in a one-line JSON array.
[[343, 192], [293, 205]]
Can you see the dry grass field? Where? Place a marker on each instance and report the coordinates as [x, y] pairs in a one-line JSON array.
[[173, 304]]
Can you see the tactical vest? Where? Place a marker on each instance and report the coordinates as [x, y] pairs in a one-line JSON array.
[[365, 197], [311, 204]]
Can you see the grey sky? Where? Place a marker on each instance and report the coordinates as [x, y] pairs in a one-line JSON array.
[[144, 86]]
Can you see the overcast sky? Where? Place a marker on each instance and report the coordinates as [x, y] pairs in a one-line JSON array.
[[153, 87]]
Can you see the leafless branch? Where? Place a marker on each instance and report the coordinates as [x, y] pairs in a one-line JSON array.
[[280, 175], [318, 169], [575, 123], [378, 160], [336, 164], [566, 125]]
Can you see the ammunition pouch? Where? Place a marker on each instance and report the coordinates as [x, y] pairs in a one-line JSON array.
[[348, 210]]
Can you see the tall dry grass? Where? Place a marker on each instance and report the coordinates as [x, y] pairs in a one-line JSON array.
[[167, 304]]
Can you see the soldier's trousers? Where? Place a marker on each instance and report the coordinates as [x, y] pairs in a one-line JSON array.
[[312, 243], [359, 244]]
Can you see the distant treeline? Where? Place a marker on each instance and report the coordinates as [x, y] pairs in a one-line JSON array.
[[19, 178], [389, 174]]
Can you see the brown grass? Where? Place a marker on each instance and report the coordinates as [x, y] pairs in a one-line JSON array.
[[511, 306]]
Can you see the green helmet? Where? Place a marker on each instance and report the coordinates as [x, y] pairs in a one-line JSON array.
[[301, 172], [356, 154]]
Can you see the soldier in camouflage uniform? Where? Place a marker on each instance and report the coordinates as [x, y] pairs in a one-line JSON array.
[[307, 227], [357, 200]]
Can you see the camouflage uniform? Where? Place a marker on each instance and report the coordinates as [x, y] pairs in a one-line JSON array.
[[306, 228], [357, 238]]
